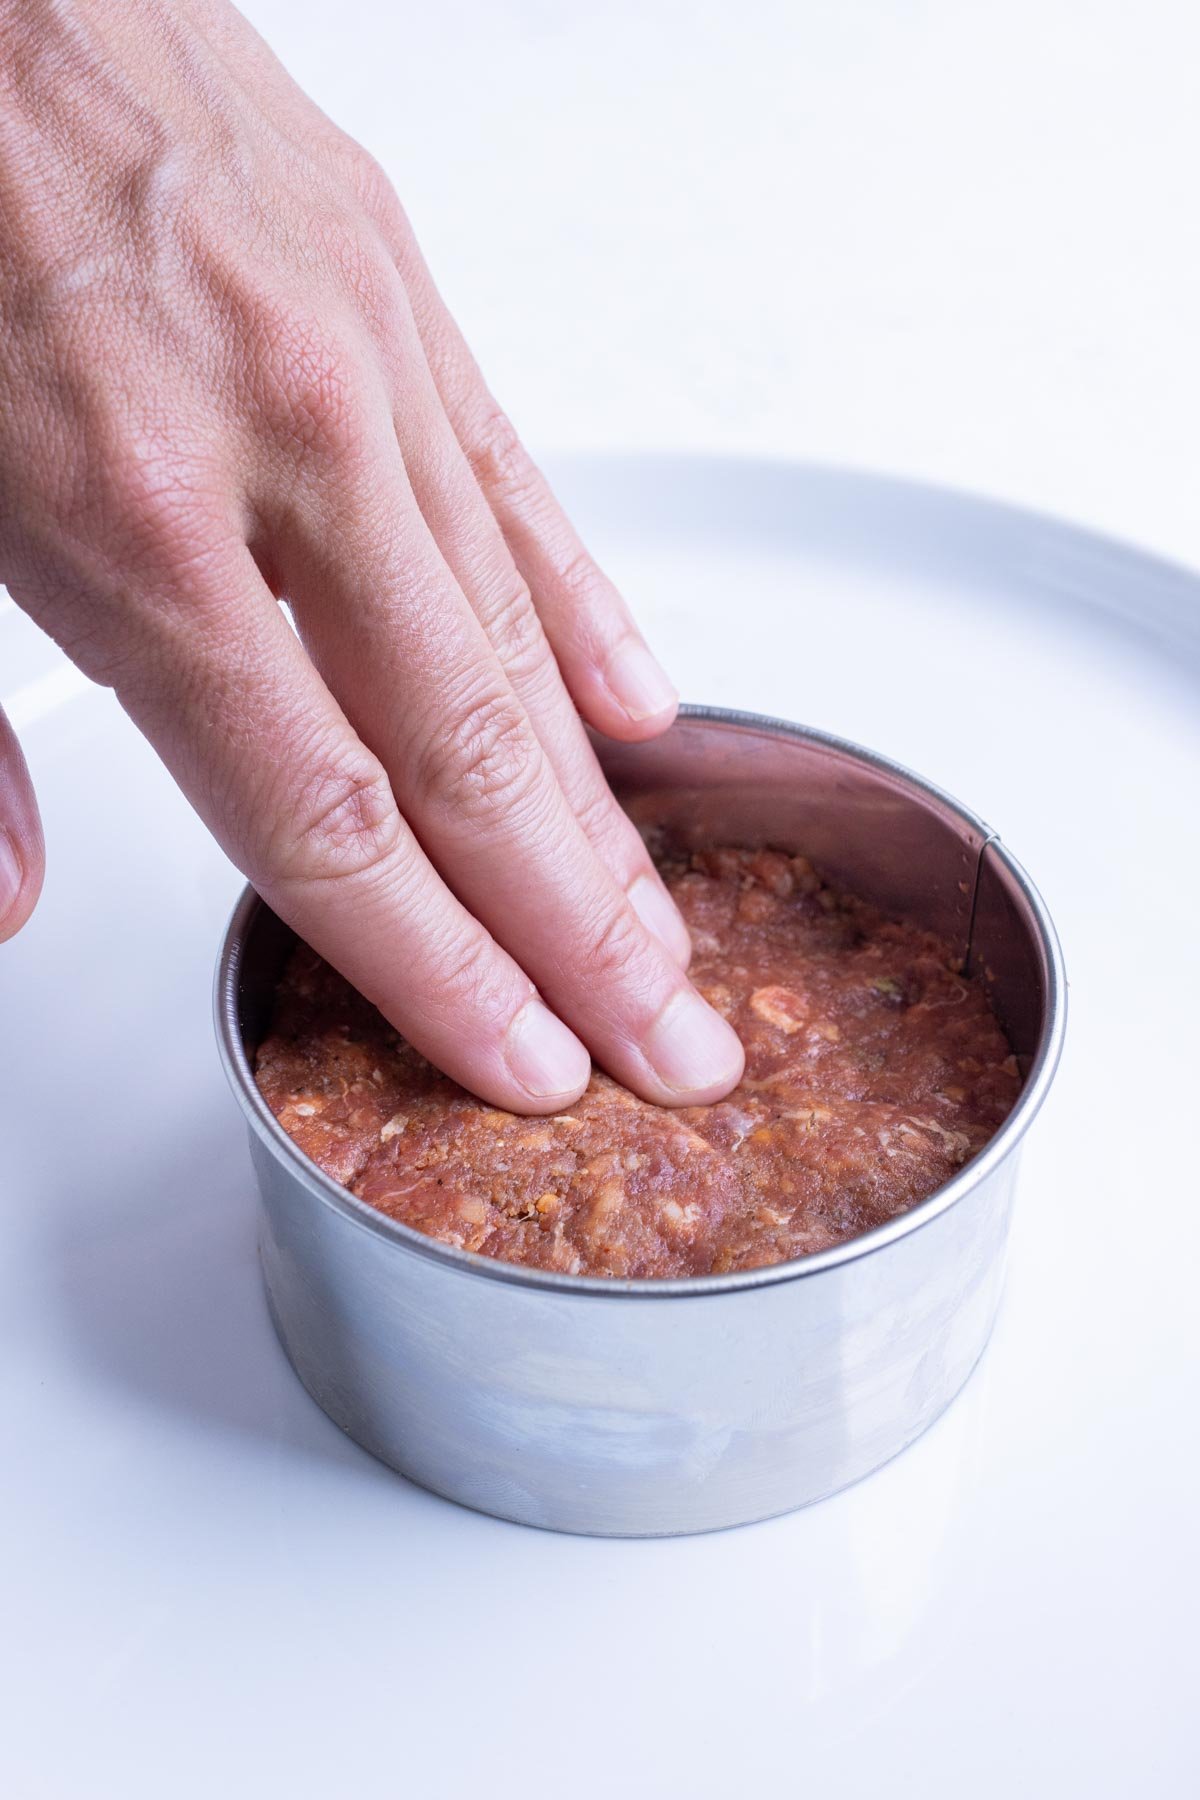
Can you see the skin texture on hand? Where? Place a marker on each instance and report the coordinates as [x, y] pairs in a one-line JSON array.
[[228, 381]]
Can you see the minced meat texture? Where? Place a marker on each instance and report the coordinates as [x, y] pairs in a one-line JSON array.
[[874, 1070]]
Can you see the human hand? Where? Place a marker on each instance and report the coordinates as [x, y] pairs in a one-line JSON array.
[[227, 378]]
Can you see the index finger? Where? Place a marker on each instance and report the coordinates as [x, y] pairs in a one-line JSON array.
[[261, 748]]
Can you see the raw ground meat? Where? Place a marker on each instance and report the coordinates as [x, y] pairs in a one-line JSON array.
[[874, 1070]]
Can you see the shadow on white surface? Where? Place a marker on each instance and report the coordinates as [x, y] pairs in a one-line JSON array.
[[166, 1304]]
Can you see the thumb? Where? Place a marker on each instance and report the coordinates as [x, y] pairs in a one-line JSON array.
[[22, 854]]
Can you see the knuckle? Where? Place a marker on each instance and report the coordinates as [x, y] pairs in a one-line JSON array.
[[486, 763], [580, 577], [600, 819], [589, 616], [611, 949], [498, 458], [342, 825], [161, 495], [513, 624], [310, 390], [320, 416], [368, 181], [360, 266], [461, 973]]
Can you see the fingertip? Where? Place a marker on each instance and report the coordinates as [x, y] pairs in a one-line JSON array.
[[545, 1059], [20, 885], [643, 701], [693, 1051], [616, 724], [22, 854]]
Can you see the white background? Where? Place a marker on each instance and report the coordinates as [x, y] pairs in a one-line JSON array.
[[956, 238], [952, 241]]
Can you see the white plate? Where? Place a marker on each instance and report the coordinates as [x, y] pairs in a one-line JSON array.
[[209, 1590]]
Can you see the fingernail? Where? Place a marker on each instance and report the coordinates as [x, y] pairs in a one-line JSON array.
[[10, 875], [543, 1055], [660, 915], [691, 1047], [638, 682]]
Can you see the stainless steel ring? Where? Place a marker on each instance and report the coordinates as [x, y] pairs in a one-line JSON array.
[[654, 1407]]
